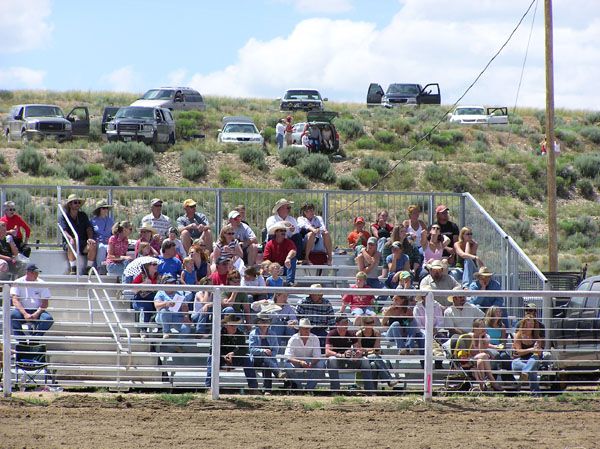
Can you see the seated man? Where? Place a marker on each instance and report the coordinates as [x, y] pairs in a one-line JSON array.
[[359, 304], [30, 304], [320, 313], [17, 227], [79, 221], [367, 261], [264, 347], [156, 219], [172, 316], [484, 282], [283, 251], [234, 351], [303, 357], [245, 235], [439, 279], [342, 353], [170, 263], [9, 262], [316, 237], [458, 318], [193, 225]]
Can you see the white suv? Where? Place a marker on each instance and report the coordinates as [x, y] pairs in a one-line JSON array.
[[173, 98]]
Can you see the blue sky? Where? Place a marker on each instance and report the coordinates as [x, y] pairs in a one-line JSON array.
[[257, 48]]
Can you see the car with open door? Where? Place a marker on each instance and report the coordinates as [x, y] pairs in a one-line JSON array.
[[38, 121], [403, 94], [108, 115], [319, 124]]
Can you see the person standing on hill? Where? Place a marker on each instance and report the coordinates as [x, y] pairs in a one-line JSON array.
[[279, 133], [289, 128]]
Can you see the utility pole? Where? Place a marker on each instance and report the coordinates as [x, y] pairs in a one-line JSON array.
[[551, 167]]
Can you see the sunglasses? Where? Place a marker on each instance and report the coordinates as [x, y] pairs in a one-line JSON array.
[[230, 233], [157, 205], [11, 210], [468, 233], [76, 202], [193, 207], [435, 227]]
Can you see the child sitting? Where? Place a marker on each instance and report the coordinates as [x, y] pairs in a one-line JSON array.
[[173, 236], [275, 279], [188, 275]]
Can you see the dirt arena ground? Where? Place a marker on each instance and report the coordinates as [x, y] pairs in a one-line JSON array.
[[71, 420]]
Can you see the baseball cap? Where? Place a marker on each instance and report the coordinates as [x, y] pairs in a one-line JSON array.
[[359, 220], [233, 214], [155, 201], [33, 267], [397, 244], [189, 203], [222, 259], [372, 240], [441, 208]]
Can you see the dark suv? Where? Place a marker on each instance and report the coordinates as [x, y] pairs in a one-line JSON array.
[[37, 121], [398, 94], [149, 125]]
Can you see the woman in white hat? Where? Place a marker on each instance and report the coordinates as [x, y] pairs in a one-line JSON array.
[[78, 220]]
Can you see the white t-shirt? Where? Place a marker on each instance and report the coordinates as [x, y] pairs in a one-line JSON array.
[[298, 350], [280, 128], [31, 297], [274, 219]]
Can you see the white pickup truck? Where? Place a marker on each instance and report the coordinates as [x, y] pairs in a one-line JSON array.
[[478, 115]]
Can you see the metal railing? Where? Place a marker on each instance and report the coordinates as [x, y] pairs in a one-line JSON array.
[[338, 208], [65, 236], [571, 342]]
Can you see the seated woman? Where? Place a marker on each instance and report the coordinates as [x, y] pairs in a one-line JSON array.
[[409, 247], [467, 261], [415, 227], [264, 346], [527, 350], [227, 246], [496, 330], [369, 341], [480, 358], [172, 314], [433, 244], [381, 229], [143, 301], [201, 260], [149, 235], [118, 245], [102, 223], [367, 262], [360, 305], [398, 318], [315, 235], [397, 263], [283, 317]]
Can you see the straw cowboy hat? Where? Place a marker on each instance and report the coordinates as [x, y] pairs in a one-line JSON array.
[[100, 204], [231, 318], [304, 324], [281, 226], [483, 272], [74, 197], [147, 227], [457, 289], [281, 202]]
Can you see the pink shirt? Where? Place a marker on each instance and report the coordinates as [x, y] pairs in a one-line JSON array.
[[120, 247]]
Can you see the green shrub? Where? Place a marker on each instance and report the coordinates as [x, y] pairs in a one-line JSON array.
[[349, 129], [568, 136], [568, 173], [592, 118], [348, 182], [437, 176], [588, 165], [253, 156], [229, 177], [521, 229], [401, 126], [153, 181], [286, 172], [591, 133], [535, 170], [583, 224], [366, 143], [386, 137], [378, 164], [515, 119], [106, 178], [290, 156], [188, 123], [447, 137], [295, 182], [94, 169], [73, 164], [585, 188], [480, 147], [317, 167], [562, 187], [30, 160], [193, 164], [114, 154], [366, 176]]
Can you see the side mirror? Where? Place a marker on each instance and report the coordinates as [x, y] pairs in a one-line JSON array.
[[19, 117], [325, 99], [278, 98]]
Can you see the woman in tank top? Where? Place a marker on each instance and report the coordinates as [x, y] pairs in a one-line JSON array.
[[414, 225], [527, 349], [433, 244]]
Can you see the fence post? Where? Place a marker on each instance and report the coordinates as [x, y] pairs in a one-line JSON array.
[[2, 199], [428, 374], [431, 212], [218, 211], [326, 209], [58, 203], [6, 331], [215, 360]]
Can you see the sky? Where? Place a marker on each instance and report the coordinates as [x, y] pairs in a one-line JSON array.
[[260, 48]]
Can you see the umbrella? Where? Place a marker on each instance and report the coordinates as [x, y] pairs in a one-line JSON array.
[[135, 266]]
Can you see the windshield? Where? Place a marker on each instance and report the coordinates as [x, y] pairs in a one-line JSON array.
[[43, 111], [404, 89], [158, 94], [244, 128], [470, 111], [302, 95], [135, 113]]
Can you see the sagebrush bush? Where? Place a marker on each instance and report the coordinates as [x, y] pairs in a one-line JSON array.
[[588, 165], [253, 156], [378, 164], [366, 143], [30, 160], [568, 136], [349, 128], [366, 176], [447, 137], [348, 182], [583, 224], [384, 136], [229, 177], [269, 134], [568, 173], [284, 173], [317, 167], [585, 188], [73, 164], [114, 154], [193, 164], [401, 126], [591, 133], [106, 178], [295, 182], [521, 229], [437, 175], [592, 118], [290, 156]]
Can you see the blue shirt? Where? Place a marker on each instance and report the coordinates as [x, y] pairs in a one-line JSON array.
[[170, 266], [485, 302], [399, 263], [258, 343], [102, 228]]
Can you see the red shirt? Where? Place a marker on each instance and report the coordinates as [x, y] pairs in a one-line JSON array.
[[358, 301], [358, 238], [278, 252], [218, 279], [16, 222], [139, 279]]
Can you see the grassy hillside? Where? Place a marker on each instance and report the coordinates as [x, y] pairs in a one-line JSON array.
[[501, 166]]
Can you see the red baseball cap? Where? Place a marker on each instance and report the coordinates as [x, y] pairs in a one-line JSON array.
[[441, 208], [359, 219]]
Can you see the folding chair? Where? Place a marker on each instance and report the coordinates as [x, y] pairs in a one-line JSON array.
[[31, 364]]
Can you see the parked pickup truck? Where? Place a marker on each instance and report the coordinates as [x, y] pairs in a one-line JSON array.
[[38, 121], [142, 124], [478, 115], [399, 94]]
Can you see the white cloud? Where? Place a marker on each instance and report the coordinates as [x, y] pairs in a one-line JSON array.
[[177, 77], [426, 41], [24, 25], [123, 79], [21, 78]]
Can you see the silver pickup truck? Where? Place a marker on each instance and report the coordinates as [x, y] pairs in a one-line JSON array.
[[37, 121], [142, 124]]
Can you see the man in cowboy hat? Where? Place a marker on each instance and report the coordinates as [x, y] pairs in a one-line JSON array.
[[319, 311], [281, 212], [234, 350], [78, 220], [193, 225], [16, 227], [156, 218], [439, 279], [484, 281], [458, 318], [282, 250], [303, 359]]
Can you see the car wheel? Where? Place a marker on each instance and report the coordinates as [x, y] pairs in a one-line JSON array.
[[172, 139]]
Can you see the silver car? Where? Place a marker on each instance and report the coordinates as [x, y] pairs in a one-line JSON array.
[[173, 98]]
